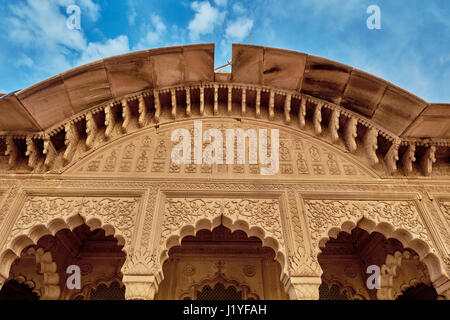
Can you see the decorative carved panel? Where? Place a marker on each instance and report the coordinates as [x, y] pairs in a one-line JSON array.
[[119, 212], [263, 213], [147, 153], [326, 214]]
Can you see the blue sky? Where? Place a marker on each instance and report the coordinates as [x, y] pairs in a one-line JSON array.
[[412, 49]]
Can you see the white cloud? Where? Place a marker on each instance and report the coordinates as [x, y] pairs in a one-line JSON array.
[[238, 8], [24, 60], [96, 51], [132, 16], [221, 3], [153, 33], [205, 19], [88, 6], [39, 29], [239, 29]]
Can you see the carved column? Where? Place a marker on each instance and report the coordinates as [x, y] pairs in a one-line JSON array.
[[140, 276], [442, 286], [303, 288], [2, 281], [139, 286]]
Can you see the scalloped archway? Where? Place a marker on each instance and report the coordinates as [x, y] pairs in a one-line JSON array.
[[431, 260], [30, 236], [174, 238]]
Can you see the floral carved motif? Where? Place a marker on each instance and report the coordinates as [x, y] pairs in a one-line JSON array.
[[140, 262], [325, 214], [8, 201], [263, 213], [446, 210], [118, 212]]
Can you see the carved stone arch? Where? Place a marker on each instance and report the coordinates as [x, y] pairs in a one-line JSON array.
[[41, 216], [396, 274], [430, 259], [209, 223], [50, 286], [29, 283], [46, 286]]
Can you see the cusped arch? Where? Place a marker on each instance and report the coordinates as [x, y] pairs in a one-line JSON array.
[[430, 259], [392, 281], [209, 223], [31, 236]]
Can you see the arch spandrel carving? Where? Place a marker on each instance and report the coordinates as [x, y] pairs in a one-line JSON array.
[[399, 219], [48, 214], [257, 216], [146, 153]]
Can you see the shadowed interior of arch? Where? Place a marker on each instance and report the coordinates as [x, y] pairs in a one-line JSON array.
[[345, 259], [44, 266], [221, 265]]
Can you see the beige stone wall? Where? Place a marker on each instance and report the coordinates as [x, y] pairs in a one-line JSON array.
[[129, 187]]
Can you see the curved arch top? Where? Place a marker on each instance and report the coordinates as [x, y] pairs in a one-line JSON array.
[[51, 101]]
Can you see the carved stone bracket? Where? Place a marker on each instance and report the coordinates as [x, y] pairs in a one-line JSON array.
[[32, 153], [71, 141]]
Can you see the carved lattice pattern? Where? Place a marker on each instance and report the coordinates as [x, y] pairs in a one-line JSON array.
[[331, 293], [115, 291], [219, 293]]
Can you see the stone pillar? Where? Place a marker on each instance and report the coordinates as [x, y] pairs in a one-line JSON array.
[[140, 287], [442, 286], [2, 281], [140, 276], [304, 288]]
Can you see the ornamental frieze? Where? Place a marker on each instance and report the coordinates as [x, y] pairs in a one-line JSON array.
[[326, 214], [263, 213], [40, 210], [148, 154]]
